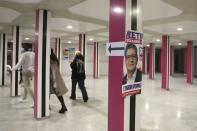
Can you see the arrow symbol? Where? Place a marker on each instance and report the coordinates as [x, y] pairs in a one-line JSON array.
[[115, 48]]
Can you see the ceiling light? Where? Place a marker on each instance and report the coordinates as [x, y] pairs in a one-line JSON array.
[[179, 29], [91, 39], [179, 43], [158, 40], [118, 10], [69, 42], [26, 38], [69, 27]]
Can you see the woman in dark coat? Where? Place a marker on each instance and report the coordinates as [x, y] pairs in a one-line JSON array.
[[78, 76], [57, 85]]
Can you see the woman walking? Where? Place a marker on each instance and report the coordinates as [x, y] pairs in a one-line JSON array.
[[57, 85]]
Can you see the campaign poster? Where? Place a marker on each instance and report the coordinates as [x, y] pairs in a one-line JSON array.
[[71, 54], [133, 53], [65, 54]]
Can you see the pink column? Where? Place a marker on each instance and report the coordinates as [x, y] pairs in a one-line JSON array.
[[144, 60], [95, 61], [115, 101], [190, 62], [185, 60], [171, 60], [165, 62], [151, 61]]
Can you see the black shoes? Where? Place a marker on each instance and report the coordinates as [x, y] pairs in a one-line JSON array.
[[85, 99], [73, 98], [63, 110]]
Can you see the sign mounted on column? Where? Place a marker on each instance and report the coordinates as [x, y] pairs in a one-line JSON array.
[[115, 48], [133, 53]]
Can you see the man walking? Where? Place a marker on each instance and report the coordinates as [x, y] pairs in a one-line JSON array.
[[27, 63]]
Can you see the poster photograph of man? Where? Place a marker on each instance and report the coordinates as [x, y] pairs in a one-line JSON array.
[[131, 82]]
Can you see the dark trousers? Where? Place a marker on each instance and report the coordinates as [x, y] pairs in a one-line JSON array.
[[81, 86]]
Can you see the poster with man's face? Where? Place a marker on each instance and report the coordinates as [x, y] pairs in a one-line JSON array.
[[133, 52]]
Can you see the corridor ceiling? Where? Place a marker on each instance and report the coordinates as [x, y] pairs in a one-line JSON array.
[[92, 16]]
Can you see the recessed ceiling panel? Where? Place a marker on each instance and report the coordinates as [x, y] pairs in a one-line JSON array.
[[25, 1], [157, 9], [77, 26], [190, 36], [8, 15], [28, 32], [57, 34], [92, 8], [147, 35], [171, 28], [105, 34]]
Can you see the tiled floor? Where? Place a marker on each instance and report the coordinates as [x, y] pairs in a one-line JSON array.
[[173, 110]]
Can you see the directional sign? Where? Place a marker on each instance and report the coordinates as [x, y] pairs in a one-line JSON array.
[[115, 48]]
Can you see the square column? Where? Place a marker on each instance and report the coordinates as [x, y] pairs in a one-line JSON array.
[[115, 100], [171, 60], [42, 64], [152, 61], [190, 62], [3, 59], [95, 61], [165, 62]]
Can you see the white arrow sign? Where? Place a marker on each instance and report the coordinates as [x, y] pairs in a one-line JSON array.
[[115, 48]]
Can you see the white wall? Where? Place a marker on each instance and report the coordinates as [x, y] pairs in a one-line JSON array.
[[103, 60]]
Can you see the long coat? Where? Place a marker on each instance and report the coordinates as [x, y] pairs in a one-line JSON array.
[[57, 85]]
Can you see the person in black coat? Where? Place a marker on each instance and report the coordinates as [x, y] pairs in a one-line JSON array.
[[78, 76], [131, 60]]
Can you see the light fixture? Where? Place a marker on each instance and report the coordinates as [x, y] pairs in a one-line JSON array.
[[179, 43], [91, 39], [118, 10], [69, 27], [148, 45], [147, 107], [179, 29], [69, 42], [26, 38], [158, 40], [178, 115]]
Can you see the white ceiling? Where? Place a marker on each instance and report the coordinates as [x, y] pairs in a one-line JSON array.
[[92, 16], [8, 15], [62, 23], [157, 9], [92, 8], [171, 28], [190, 36], [24, 1]]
